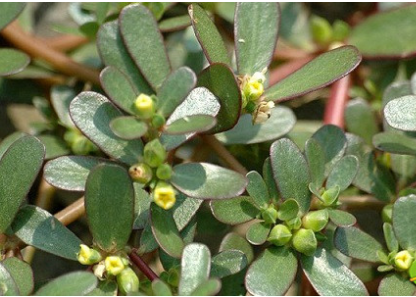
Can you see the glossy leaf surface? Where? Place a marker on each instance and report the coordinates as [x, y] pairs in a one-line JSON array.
[[400, 113], [128, 128], [194, 123], [227, 263]]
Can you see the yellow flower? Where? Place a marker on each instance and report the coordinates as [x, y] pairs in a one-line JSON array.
[[403, 260], [144, 106], [164, 195], [114, 265], [88, 256]]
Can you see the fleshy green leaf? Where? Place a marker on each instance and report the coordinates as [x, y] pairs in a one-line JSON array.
[[315, 156], [288, 210], [400, 113], [257, 233], [8, 141], [70, 172], [144, 42], [395, 143], [359, 114], [341, 218], [160, 288], [209, 288], [12, 61], [191, 124], [109, 205], [207, 181], [256, 31], [291, 172], [36, 227], [8, 286], [281, 121], [220, 80], [403, 212], [92, 113], [234, 211], [272, 273], [184, 210], [104, 288], [320, 72], [148, 242], [195, 267], [343, 173], [357, 244], [233, 241], [208, 36], [227, 263], [128, 127], [21, 273], [395, 26], [257, 189], [165, 231], [174, 90], [141, 206], [114, 53], [71, 284], [175, 23], [390, 237], [54, 146], [119, 89], [9, 11], [269, 179], [330, 277], [19, 167], [61, 97], [396, 285]]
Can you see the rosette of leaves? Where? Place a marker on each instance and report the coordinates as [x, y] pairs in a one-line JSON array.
[[256, 28], [283, 197], [399, 236], [136, 63]]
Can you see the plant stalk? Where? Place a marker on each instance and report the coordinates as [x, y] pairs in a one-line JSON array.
[[72, 212], [142, 265], [335, 107]]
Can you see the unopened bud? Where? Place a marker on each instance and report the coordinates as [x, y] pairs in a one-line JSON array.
[[330, 196], [158, 121], [164, 172], [269, 215], [304, 241], [280, 235], [141, 173], [154, 153], [144, 106], [88, 256], [321, 30], [294, 223], [315, 220], [127, 281]]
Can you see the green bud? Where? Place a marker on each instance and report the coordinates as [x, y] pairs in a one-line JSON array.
[[341, 30], [127, 281], [321, 30], [280, 235], [269, 215], [330, 196], [158, 121], [294, 224], [387, 213], [304, 241], [141, 173], [145, 107], [412, 272], [82, 145], [164, 172], [173, 277], [403, 260], [315, 220], [70, 136], [154, 153]]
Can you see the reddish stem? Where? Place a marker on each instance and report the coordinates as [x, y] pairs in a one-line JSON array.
[[142, 266], [334, 110]]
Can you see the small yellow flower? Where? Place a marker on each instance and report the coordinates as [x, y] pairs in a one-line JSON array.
[[144, 106], [403, 260], [88, 256], [114, 265], [164, 195]]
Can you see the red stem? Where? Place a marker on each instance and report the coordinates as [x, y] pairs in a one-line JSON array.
[[142, 266], [334, 110]]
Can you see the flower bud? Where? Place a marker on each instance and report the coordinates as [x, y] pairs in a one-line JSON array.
[[141, 173], [88, 256], [321, 30], [144, 106], [280, 235], [164, 172], [253, 90], [269, 215], [341, 30], [387, 213], [158, 121], [330, 196], [403, 260], [127, 281], [315, 220], [82, 145], [304, 241], [154, 153], [164, 195], [294, 223], [263, 112], [114, 265]]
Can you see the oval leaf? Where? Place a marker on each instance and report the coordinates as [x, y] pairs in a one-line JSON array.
[[255, 35], [395, 143], [320, 72], [257, 233], [403, 211], [8, 286], [208, 36], [343, 173], [357, 244], [21, 273], [12, 61], [234, 211], [396, 285], [233, 241], [257, 189], [207, 181], [341, 218], [36, 227], [9, 11], [209, 288], [272, 273], [184, 210], [19, 167], [175, 23], [316, 162], [330, 277], [195, 267], [400, 113], [227, 263], [144, 42], [291, 172], [72, 284], [191, 124], [92, 113], [128, 127]]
